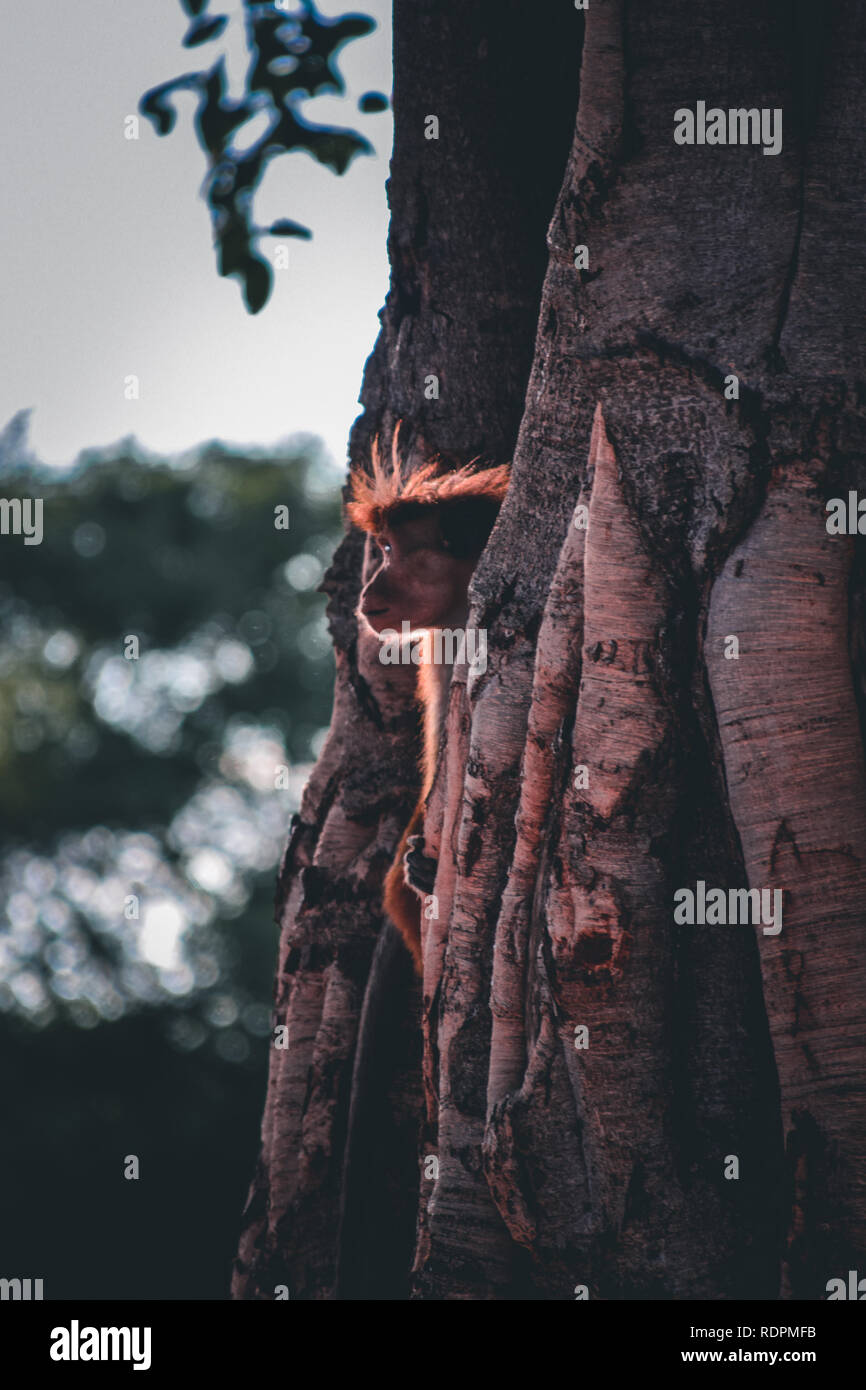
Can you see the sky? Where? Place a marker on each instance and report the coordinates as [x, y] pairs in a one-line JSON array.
[[106, 260]]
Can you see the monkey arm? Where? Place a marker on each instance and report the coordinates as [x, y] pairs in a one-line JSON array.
[[419, 869], [402, 903]]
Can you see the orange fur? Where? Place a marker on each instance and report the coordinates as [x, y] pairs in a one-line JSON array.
[[376, 502], [402, 903], [376, 496]]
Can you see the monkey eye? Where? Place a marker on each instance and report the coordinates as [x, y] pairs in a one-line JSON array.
[[384, 546]]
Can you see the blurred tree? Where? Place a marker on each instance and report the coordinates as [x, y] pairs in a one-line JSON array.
[[293, 57], [139, 1029], [143, 547]]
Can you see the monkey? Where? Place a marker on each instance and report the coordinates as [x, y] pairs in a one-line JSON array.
[[427, 532]]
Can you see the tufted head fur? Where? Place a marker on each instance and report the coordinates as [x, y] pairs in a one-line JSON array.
[[469, 497]]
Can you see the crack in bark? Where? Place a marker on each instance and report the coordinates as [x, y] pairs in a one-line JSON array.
[[775, 360], [808, 65]]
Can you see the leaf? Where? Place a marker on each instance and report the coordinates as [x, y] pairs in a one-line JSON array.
[[292, 56], [204, 29], [373, 101], [156, 107], [233, 248], [334, 148], [257, 277], [285, 227]]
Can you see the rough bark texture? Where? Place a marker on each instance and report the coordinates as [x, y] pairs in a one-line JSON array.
[[469, 215], [614, 750]]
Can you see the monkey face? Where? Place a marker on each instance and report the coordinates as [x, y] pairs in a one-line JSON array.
[[414, 577]]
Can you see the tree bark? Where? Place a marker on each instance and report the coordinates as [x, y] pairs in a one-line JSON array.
[[469, 213], [706, 1136]]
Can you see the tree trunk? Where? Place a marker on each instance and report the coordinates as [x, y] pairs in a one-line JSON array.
[[674, 691], [469, 213]]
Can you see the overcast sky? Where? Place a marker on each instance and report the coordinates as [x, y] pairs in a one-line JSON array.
[[106, 258]]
